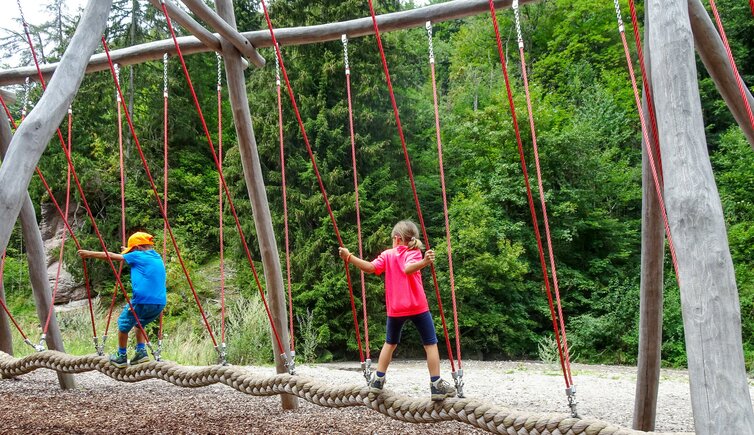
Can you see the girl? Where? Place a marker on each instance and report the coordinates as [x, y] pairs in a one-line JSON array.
[[405, 300]]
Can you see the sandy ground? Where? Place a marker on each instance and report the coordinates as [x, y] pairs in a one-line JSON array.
[[34, 404]]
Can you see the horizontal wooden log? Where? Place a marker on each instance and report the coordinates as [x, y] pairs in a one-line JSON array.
[[225, 30], [9, 97], [204, 36], [451, 10]]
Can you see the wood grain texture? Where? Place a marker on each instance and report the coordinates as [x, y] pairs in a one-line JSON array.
[[204, 37], [32, 136], [709, 297], [651, 290], [252, 170], [711, 50], [6, 337], [286, 36]]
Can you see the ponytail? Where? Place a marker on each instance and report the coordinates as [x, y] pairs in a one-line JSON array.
[[408, 233]]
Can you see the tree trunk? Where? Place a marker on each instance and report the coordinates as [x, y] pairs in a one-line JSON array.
[[711, 50], [252, 170], [37, 268], [650, 310], [35, 132], [711, 313]]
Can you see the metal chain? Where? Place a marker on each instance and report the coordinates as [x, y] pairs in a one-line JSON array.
[[277, 68], [344, 40], [621, 27], [165, 75], [428, 26], [25, 105], [518, 24], [219, 71], [21, 11], [117, 79]]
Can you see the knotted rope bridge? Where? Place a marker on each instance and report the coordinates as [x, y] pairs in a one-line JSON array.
[[485, 416]]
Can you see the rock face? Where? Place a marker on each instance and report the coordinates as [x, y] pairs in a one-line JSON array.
[[52, 228]]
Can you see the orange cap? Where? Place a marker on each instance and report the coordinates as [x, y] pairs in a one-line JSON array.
[[137, 239]]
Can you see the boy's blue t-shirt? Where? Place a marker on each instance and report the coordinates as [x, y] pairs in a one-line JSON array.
[[147, 277]]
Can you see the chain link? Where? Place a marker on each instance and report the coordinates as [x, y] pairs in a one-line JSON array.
[[21, 11], [277, 68], [165, 75], [116, 67], [621, 27], [428, 26], [518, 24], [344, 40], [25, 105], [219, 71]]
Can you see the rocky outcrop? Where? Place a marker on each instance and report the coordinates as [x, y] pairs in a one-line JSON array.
[[52, 228]]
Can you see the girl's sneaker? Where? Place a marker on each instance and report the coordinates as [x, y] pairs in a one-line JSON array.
[[376, 384], [118, 360], [441, 389], [140, 356]]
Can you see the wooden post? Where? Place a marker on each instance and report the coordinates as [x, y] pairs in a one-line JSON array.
[[711, 50], [650, 310], [252, 171], [6, 337], [711, 312], [37, 268], [35, 132]]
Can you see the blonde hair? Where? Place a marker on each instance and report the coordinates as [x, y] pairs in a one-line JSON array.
[[408, 233]]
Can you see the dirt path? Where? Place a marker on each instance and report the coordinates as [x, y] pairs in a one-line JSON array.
[[34, 404]]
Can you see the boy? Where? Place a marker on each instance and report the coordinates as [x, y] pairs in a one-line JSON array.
[[149, 293]]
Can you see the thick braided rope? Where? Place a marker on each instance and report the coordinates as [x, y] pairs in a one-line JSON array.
[[478, 414]]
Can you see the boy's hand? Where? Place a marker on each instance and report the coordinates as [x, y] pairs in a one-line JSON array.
[[429, 256], [344, 253]]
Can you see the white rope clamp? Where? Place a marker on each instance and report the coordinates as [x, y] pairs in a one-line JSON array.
[[518, 24], [428, 26], [344, 40], [25, 104], [219, 71], [621, 27], [164, 75], [277, 68], [117, 78]]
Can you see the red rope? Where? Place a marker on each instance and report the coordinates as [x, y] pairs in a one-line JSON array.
[[751, 5], [650, 157], [222, 180], [529, 195], [411, 179], [358, 209], [62, 238], [157, 196], [731, 60], [646, 84], [285, 216], [316, 171], [220, 208]]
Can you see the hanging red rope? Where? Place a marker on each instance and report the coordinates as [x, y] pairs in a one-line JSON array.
[[562, 339], [438, 137], [411, 179], [222, 181], [530, 199], [292, 97], [344, 40], [285, 206], [732, 61]]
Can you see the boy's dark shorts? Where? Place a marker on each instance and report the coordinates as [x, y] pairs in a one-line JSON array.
[[423, 323], [146, 313]]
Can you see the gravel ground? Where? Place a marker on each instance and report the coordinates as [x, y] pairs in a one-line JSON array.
[[34, 404]]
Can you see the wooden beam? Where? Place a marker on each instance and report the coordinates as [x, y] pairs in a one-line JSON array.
[[178, 15], [451, 10], [711, 50], [720, 397], [226, 31], [32, 136], [651, 287], [9, 97], [252, 170], [40, 285], [6, 337]]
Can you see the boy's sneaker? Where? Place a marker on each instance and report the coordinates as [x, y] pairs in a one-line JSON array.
[[376, 384], [441, 389], [140, 356], [119, 360]]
